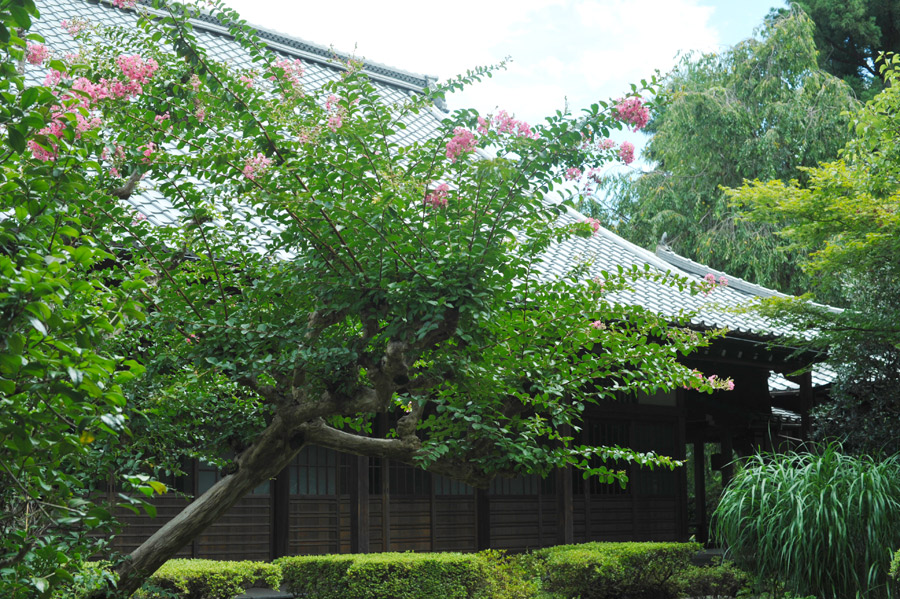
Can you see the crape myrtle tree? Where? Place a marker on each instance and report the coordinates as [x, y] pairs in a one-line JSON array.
[[847, 217], [761, 109], [326, 269], [61, 394]]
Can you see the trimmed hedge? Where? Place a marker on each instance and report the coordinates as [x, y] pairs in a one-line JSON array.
[[612, 570], [402, 576], [208, 579], [718, 580]]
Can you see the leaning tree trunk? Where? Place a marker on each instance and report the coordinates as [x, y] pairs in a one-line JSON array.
[[270, 453]]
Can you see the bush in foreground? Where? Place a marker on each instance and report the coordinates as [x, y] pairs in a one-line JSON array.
[[612, 570], [822, 523]]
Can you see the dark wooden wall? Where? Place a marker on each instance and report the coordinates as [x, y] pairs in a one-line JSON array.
[[405, 509]]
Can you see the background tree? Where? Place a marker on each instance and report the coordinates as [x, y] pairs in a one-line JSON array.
[[761, 109], [846, 218], [61, 400], [321, 272], [850, 35]]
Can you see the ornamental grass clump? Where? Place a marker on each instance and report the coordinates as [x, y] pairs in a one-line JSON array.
[[822, 523]]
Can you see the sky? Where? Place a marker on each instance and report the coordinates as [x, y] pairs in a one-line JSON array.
[[563, 52]]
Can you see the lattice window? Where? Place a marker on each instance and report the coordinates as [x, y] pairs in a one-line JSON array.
[[208, 475], [319, 471], [406, 480], [448, 486]]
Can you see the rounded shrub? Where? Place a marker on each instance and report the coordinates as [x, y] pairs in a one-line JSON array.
[[822, 522]]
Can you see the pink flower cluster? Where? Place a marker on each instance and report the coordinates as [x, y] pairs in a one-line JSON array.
[[293, 70], [124, 3], [256, 166], [626, 152], [632, 111], [438, 197], [506, 125], [83, 95], [36, 53], [336, 112], [149, 149], [711, 279], [136, 69], [598, 325], [606, 144], [572, 173], [593, 222], [463, 142], [75, 26]]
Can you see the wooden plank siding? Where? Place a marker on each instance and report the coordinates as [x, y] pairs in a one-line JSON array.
[[411, 510]]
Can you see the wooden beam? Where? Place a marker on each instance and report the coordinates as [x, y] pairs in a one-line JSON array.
[[359, 504], [482, 519], [565, 506], [700, 490]]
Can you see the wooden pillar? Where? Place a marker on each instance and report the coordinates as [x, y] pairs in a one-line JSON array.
[[727, 456], [280, 489], [386, 504], [482, 519], [359, 504], [565, 521], [700, 490], [806, 404]]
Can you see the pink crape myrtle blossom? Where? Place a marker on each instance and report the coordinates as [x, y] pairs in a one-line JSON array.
[[626, 152], [598, 325], [505, 124], [293, 71], [723, 282], [606, 144], [256, 166], [75, 26], [438, 197], [463, 142], [335, 121], [136, 69], [632, 111], [149, 149], [162, 118], [124, 3], [200, 113], [593, 222], [195, 82], [247, 80], [572, 173], [36, 53]]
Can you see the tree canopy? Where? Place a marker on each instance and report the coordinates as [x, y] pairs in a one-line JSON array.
[[850, 36], [846, 218], [762, 109], [322, 269]]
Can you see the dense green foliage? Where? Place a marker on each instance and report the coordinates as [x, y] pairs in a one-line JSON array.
[[760, 110], [62, 404], [715, 581], [850, 35], [486, 575], [209, 579], [822, 523], [847, 216], [612, 570]]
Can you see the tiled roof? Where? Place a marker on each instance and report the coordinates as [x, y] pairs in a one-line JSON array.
[[603, 251], [822, 375]]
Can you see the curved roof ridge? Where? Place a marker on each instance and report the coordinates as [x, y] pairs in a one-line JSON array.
[[665, 253], [300, 48]]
